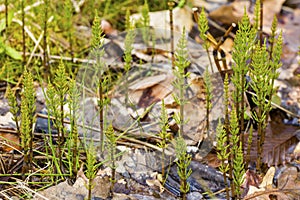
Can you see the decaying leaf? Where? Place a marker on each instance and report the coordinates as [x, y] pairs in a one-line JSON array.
[[268, 178], [233, 13], [155, 182], [9, 142], [279, 139], [287, 181], [108, 29], [147, 82], [150, 90], [251, 178], [160, 20]]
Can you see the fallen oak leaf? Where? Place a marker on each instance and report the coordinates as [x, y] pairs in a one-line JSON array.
[[155, 182], [251, 178], [288, 185]]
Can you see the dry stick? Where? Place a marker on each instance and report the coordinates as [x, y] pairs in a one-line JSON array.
[[278, 106], [171, 5], [215, 55], [42, 157], [217, 26], [28, 32], [223, 55], [222, 52], [27, 8], [34, 49]]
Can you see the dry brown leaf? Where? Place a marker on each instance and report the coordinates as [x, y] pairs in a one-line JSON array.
[[251, 182], [268, 178], [108, 29], [9, 142], [160, 21], [155, 182], [279, 139], [288, 187], [147, 82], [229, 13], [288, 179], [150, 90], [233, 13]]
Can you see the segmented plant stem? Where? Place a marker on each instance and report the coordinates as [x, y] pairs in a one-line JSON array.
[[171, 5]]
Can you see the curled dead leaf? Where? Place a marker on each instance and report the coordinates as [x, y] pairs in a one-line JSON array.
[[155, 182], [9, 142]]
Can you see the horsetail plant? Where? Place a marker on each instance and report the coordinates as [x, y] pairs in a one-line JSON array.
[[97, 52], [263, 74], [129, 39], [243, 44], [14, 108], [164, 136], [249, 144], [91, 169], [272, 36], [73, 141], [227, 130], [203, 28], [55, 102], [275, 63], [223, 154], [258, 20], [183, 159], [236, 155], [111, 143], [181, 63], [260, 76], [27, 120], [183, 162]]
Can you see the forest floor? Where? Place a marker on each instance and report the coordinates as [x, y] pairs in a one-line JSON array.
[[150, 80]]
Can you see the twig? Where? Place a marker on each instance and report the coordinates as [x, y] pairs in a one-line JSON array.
[[278, 106], [5, 195], [22, 185], [27, 8], [34, 49], [217, 26]]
